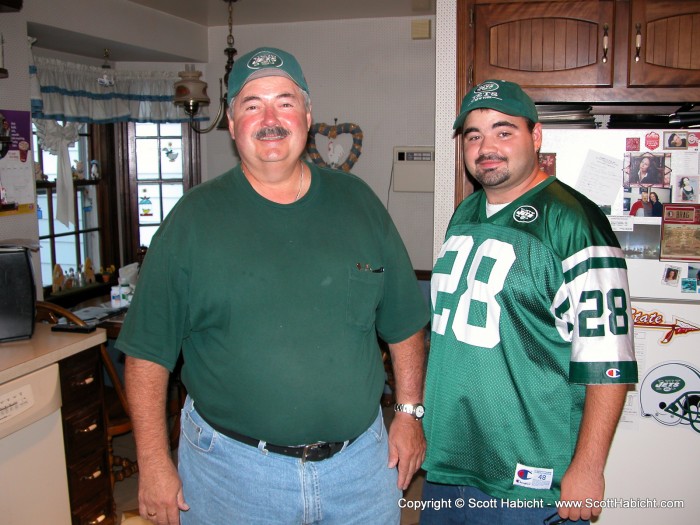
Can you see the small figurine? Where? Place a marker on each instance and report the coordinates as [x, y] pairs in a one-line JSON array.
[[38, 174], [94, 169], [58, 279], [89, 271], [79, 170]]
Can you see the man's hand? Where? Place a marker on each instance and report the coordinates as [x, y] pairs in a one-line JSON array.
[[160, 494], [406, 447], [581, 484], [584, 480], [160, 488]]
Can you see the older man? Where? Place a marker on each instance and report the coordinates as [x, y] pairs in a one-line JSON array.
[[273, 281]]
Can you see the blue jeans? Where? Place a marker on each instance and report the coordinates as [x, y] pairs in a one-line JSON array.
[[459, 505], [228, 482]]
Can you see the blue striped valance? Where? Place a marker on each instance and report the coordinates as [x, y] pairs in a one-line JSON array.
[[73, 92]]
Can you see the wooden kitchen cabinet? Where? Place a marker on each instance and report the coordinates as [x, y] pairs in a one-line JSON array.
[[592, 51], [85, 439], [554, 44], [664, 32]]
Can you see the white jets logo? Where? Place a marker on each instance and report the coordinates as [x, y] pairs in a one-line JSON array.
[[525, 214]]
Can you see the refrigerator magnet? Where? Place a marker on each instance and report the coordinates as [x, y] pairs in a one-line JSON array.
[[671, 275]]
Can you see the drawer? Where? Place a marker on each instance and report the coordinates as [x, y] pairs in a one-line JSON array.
[[88, 478], [80, 379], [84, 430], [98, 512]]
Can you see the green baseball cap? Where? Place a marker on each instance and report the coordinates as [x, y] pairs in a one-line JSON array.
[[264, 62], [501, 95]]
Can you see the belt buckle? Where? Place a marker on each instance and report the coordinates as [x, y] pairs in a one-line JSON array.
[[310, 449]]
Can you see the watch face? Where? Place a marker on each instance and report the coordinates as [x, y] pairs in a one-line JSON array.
[[420, 411]]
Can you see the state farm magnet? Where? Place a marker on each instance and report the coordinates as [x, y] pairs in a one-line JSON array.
[[652, 140]]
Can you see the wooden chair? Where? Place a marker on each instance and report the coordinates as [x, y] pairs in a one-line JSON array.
[[116, 405]]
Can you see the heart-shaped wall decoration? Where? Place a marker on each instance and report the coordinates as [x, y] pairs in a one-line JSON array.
[[337, 156]]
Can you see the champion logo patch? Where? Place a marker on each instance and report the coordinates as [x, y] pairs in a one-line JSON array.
[[525, 214], [613, 373], [524, 474]]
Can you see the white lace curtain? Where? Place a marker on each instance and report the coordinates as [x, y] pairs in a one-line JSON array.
[[78, 93], [74, 92]]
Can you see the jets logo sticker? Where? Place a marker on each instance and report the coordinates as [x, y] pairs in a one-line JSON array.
[[670, 394], [525, 214]]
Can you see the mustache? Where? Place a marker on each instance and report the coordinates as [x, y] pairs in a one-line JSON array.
[[483, 158], [272, 132]]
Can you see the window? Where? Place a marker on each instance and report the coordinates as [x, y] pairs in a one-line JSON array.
[[159, 174], [69, 246], [159, 168]]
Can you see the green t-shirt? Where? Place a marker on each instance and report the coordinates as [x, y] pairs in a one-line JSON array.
[[277, 326], [526, 303]]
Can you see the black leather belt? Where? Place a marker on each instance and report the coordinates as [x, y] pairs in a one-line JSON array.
[[313, 452]]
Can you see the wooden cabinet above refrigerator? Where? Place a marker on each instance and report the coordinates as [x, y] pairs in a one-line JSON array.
[[593, 51]]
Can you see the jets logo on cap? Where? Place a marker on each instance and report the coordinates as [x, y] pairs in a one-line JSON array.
[[525, 214], [265, 59], [487, 86]]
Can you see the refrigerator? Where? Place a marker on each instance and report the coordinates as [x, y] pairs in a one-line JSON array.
[[653, 466]]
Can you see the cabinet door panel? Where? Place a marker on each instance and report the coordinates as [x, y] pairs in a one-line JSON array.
[[544, 44], [661, 47]]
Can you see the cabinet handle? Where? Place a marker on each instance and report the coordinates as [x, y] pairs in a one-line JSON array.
[[638, 42], [90, 428], [605, 43], [98, 519], [92, 476], [87, 381]]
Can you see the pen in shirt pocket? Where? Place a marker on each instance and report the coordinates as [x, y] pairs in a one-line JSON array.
[[368, 268]]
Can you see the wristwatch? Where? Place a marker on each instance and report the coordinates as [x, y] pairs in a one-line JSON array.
[[416, 410]]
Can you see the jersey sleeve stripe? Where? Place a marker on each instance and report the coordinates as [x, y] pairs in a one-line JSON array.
[[590, 253], [595, 263], [603, 372]]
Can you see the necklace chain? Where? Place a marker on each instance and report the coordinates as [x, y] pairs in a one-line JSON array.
[[301, 178], [301, 182]]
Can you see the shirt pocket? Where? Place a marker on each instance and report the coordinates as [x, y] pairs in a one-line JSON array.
[[364, 293]]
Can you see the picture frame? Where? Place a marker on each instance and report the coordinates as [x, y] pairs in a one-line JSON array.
[[675, 140], [680, 232]]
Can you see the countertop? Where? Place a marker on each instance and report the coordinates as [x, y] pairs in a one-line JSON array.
[[18, 358]]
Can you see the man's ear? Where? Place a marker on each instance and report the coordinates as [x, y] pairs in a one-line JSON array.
[[230, 127], [537, 136]]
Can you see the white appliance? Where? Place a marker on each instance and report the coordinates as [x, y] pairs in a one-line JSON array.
[[33, 482], [651, 474]]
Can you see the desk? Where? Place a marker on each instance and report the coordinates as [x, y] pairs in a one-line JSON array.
[[112, 325]]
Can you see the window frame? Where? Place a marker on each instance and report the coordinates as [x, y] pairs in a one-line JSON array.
[[128, 183]]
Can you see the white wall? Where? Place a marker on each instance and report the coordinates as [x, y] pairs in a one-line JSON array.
[[445, 113], [368, 72]]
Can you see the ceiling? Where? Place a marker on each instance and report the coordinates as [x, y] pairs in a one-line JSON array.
[[215, 12]]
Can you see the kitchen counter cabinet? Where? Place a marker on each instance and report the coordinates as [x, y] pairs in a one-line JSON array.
[[18, 358], [82, 411]]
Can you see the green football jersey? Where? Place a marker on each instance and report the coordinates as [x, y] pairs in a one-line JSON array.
[[528, 306]]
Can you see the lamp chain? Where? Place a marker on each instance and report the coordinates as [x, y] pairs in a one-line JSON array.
[[230, 50]]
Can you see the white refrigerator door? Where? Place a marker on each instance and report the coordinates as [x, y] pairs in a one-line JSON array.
[[652, 471]]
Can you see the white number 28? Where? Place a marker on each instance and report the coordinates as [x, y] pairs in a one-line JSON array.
[[500, 256]]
